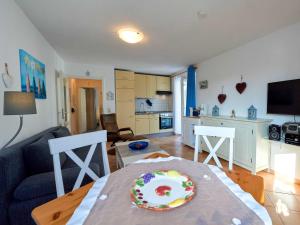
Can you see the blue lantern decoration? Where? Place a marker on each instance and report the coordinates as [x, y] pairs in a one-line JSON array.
[[215, 111], [252, 113]]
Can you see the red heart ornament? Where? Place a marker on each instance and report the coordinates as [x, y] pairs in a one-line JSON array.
[[221, 98], [240, 87]]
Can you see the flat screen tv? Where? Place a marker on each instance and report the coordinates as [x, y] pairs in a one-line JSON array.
[[284, 97]]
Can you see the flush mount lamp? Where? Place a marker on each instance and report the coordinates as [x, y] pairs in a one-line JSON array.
[[18, 103], [130, 35]]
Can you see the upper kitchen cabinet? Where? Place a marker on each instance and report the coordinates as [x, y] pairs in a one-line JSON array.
[[124, 75], [140, 86], [125, 84], [163, 83], [151, 86]]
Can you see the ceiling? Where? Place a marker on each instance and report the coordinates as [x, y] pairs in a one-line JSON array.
[[175, 36]]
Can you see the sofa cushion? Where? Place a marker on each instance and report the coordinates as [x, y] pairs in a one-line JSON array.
[[43, 184], [20, 211], [37, 156], [61, 132]]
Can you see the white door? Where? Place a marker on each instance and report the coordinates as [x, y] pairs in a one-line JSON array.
[[243, 144], [66, 103], [59, 97], [62, 100]]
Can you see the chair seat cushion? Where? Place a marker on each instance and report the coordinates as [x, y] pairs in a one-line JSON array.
[[44, 184], [37, 156]]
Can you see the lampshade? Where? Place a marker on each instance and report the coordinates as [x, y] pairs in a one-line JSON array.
[[19, 103]]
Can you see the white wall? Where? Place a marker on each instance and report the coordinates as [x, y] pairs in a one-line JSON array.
[[272, 58], [101, 72], [17, 32]]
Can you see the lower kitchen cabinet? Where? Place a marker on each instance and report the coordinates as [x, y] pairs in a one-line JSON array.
[[250, 146], [141, 124], [147, 124], [154, 123], [125, 114]]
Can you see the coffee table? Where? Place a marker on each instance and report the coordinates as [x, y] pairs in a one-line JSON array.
[[125, 156]]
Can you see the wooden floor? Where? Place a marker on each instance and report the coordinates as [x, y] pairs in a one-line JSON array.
[[282, 199]]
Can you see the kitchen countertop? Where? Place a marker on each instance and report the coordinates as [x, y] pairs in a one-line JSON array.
[[152, 112]]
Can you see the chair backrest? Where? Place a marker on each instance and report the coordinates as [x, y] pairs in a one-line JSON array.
[[109, 122], [67, 144], [224, 132]]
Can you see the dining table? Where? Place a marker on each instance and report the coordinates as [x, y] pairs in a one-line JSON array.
[[210, 197]]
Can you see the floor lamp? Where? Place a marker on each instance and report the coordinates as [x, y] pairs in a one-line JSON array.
[[18, 103]]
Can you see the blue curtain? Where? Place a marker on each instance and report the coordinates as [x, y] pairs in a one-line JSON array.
[[190, 89]]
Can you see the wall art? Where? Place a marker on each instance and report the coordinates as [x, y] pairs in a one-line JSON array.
[[222, 96], [32, 75], [240, 87], [203, 84]]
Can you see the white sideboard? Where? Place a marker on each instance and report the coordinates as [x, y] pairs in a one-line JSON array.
[[251, 149]]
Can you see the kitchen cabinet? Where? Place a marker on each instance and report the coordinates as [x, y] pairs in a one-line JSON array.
[[142, 124], [153, 123], [124, 75], [147, 124], [125, 84], [151, 86], [125, 95], [163, 83], [140, 86], [125, 99], [145, 86], [125, 114], [250, 148]]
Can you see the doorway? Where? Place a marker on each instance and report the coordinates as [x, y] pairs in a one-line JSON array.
[[86, 104], [88, 110]]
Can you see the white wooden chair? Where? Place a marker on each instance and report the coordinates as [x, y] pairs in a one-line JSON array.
[[222, 133], [67, 144]]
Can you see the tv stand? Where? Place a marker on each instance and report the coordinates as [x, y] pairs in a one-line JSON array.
[[284, 157]]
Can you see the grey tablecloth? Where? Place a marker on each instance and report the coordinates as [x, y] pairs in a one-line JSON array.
[[214, 203]]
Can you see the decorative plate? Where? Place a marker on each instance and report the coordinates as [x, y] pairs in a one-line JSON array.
[[138, 145], [162, 190]]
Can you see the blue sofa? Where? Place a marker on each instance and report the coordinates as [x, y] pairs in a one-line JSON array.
[[27, 177]]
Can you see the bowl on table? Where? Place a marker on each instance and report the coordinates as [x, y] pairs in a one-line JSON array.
[[138, 145]]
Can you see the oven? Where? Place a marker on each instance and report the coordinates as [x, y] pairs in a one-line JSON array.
[[165, 121]]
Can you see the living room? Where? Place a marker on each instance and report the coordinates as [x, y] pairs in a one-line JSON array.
[[185, 67]]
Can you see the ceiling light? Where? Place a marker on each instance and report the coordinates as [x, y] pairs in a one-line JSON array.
[[130, 35]]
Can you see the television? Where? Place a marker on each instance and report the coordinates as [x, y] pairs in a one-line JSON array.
[[284, 97]]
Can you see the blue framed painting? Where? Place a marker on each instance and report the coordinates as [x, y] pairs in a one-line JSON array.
[[32, 75]]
